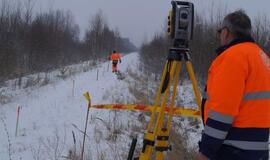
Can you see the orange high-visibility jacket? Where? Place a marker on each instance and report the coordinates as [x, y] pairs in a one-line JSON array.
[[239, 86], [237, 106], [115, 56]]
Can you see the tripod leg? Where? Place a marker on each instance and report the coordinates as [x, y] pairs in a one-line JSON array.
[[157, 100], [177, 77], [149, 138], [163, 133], [161, 130], [165, 98], [194, 83]]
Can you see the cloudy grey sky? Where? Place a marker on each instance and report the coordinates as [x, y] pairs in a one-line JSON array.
[[140, 19]]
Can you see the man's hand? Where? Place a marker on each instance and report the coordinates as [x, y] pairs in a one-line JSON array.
[[202, 157]]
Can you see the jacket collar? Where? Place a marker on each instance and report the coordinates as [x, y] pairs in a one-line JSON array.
[[234, 42]]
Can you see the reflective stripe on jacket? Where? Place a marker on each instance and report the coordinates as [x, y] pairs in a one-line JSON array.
[[237, 100]]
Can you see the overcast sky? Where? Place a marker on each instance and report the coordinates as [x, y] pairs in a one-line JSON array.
[[140, 19]]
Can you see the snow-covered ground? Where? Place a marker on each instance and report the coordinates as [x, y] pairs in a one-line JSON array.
[[53, 116]]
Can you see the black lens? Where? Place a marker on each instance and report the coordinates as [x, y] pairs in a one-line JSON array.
[[184, 16]]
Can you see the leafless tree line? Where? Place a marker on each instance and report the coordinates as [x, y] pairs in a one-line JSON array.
[[33, 42], [205, 40], [100, 38]]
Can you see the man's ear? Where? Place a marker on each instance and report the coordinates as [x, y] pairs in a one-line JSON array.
[[227, 33]]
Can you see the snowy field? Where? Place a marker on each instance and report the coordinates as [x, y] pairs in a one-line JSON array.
[[53, 116]]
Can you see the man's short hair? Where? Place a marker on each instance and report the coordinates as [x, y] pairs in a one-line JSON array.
[[238, 23]]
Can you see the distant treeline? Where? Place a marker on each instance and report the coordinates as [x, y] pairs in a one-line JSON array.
[[33, 42], [205, 40]]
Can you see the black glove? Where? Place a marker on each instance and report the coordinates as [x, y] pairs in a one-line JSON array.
[[120, 60]]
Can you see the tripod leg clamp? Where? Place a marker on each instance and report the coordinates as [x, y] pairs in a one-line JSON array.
[[162, 144], [163, 149], [147, 142]]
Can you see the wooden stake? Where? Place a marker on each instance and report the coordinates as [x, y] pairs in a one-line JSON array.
[[87, 96], [17, 123], [97, 74], [73, 85]]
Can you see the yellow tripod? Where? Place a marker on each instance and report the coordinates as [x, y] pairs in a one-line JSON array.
[[156, 138]]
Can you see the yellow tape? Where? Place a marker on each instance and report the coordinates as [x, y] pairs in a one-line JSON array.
[[177, 111]]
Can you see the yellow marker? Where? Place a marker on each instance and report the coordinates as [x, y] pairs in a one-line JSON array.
[[87, 96]]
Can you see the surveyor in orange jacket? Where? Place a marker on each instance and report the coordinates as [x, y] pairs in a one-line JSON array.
[[115, 57], [236, 103]]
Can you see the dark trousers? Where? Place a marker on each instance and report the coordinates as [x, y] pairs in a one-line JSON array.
[[114, 65], [231, 153]]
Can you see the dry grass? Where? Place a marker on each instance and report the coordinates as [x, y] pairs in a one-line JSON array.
[[142, 95], [179, 148], [139, 88], [4, 98]]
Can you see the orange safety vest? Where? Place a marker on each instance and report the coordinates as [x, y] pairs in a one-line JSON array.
[[115, 56], [239, 86], [236, 104]]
